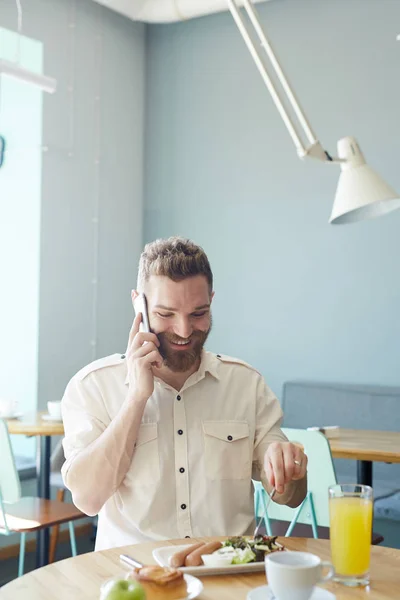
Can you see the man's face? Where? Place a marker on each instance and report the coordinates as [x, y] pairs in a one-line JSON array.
[[180, 316]]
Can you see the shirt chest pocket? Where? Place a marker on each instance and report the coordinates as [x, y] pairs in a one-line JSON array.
[[145, 466], [227, 449]]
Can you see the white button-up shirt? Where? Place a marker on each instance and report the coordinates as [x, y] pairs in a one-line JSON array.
[[196, 452]]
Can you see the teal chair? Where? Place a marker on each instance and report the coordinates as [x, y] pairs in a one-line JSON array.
[[24, 515], [314, 510]]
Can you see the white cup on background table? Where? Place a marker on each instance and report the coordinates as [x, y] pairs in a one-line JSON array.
[[54, 409], [8, 407]]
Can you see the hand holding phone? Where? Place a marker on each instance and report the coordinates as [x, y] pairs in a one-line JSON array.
[[142, 353]]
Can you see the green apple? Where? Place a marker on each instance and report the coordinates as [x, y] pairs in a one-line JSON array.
[[123, 589]]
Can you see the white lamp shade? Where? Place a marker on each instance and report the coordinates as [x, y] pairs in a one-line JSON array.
[[361, 193]]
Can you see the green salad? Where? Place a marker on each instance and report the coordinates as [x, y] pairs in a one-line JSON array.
[[245, 550]]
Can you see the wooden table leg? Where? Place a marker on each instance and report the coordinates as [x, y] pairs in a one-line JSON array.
[[43, 491]]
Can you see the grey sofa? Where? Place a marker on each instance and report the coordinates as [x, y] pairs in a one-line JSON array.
[[307, 403]]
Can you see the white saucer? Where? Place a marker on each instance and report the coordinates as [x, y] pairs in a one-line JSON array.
[[16, 415], [52, 418], [264, 593]]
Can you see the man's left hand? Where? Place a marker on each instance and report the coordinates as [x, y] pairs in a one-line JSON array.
[[284, 462]]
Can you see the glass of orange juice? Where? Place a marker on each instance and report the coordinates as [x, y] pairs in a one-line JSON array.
[[351, 512]]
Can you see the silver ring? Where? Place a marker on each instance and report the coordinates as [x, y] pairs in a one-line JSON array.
[[298, 463]]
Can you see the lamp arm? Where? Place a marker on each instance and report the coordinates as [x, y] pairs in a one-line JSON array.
[[253, 16], [265, 76], [314, 150]]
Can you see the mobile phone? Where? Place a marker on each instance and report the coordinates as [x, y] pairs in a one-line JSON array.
[[140, 306]]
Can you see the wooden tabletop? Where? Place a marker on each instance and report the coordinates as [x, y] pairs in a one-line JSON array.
[[33, 424], [80, 578], [355, 444], [358, 444]]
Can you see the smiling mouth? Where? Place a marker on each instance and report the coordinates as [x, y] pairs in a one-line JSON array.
[[181, 344]]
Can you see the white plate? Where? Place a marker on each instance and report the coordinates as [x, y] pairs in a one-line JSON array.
[[194, 586], [162, 556], [264, 593], [52, 418], [16, 415]]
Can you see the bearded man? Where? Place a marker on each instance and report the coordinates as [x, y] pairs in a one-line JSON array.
[[164, 441]]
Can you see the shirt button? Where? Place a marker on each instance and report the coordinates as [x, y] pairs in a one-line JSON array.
[[183, 506], [218, 356], [181, 470], [230, 438], [187, 536], [178, 397], [122, 356], [180, 431]]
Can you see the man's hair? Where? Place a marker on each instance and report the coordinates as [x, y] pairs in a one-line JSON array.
[[177, 258]]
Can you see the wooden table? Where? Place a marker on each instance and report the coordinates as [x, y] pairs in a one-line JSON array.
[[366, 447], [80, 578], [33, 425]]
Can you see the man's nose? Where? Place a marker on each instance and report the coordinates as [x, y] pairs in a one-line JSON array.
[[183, 328]]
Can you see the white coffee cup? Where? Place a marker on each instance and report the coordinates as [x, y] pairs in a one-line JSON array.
[[54, 409], [8, 407], [293, 575]]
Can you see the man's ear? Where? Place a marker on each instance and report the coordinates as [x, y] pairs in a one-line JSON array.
[[134, 295], [212, 296]]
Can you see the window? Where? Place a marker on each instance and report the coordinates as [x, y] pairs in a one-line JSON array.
[[20, 200]]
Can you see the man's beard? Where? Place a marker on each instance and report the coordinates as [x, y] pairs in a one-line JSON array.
[[180, 361]]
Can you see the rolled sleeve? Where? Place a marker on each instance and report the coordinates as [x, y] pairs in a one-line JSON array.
[[269, 417], [85, 419]]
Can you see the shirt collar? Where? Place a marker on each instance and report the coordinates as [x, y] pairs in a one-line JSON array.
[[209, 364]]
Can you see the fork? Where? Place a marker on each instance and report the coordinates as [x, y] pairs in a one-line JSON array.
[[270, 497]]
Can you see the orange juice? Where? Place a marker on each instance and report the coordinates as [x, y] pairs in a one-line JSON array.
[[350, 533]]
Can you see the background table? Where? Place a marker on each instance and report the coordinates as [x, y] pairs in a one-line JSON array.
[[33, 425], [80, 578], [366, 447]]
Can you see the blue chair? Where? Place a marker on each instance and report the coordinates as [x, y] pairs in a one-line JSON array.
[[24, 515], [314, 510]]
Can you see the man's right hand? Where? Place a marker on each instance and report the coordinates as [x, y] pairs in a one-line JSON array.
[[142, 353]]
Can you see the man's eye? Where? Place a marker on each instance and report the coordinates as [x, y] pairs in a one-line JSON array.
[[164, 316], [200, 314]]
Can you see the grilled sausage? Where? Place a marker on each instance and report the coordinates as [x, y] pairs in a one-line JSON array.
[[194, 558], [178, 559]]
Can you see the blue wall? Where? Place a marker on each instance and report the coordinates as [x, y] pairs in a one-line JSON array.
[[295, 296]]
